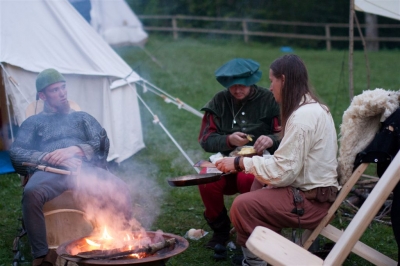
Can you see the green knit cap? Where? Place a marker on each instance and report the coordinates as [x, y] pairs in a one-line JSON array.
[[47, 77]]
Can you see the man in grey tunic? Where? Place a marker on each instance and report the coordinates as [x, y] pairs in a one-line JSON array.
[[66, 139]]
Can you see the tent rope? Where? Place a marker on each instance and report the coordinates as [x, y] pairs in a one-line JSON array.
[[12, 81], [151, 56], [157, 121], [168, 98], [8, 100]]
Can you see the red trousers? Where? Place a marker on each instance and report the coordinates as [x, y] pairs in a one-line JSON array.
[[272, 208], [213, 193]]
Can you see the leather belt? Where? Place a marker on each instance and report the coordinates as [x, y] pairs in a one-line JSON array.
[[322, 194]]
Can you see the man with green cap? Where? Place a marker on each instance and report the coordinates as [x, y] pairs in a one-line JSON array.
[[242, 109], [62, 138]]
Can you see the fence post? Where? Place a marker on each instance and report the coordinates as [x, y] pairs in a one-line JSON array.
[[328, 37], [245, 31], [175, 28]]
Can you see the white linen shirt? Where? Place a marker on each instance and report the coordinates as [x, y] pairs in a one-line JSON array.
[[306, 156]]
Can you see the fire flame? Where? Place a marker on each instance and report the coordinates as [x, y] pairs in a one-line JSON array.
[[105, 234], [103, 240], [92, 243], [138, 255], [106, 241]]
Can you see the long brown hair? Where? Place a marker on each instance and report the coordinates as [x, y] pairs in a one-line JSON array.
[[295, 87]]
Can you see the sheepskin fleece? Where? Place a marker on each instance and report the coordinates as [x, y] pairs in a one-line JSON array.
[[360, 123]]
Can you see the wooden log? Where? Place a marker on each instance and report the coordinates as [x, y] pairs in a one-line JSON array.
[[116, 253]]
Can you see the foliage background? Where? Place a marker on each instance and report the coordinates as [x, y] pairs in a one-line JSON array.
[[330, 11]]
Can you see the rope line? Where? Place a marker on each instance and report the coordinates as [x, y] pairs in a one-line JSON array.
[[169, 98], [13, 82], [157, 121]]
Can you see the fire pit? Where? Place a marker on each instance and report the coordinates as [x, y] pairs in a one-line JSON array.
[[155, 254]]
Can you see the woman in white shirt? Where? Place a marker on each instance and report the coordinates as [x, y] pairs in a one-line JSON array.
[[302, 169]]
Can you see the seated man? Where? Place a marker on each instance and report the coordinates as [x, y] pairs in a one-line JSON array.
[[62, 138], [242, 108]]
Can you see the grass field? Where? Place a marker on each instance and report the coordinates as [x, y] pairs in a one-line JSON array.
[[185, 69]]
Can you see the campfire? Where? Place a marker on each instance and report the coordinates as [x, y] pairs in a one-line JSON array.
[[141, 247]]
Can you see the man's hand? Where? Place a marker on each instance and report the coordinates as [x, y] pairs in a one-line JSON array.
[[238, 139], [263, 143], [72, 163], [64, 157]]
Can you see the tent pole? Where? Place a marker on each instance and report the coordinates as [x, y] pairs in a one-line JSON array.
[[9, 118], [10, 124], [157, 121], [365, 50], [351, 48]]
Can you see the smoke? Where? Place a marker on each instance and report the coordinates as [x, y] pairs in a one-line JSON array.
[[146, 193], [146, 196], [128, 202]]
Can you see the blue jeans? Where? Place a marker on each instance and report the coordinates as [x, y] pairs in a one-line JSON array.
[[45, 186]]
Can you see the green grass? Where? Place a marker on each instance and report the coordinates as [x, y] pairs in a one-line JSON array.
[[187, 73]]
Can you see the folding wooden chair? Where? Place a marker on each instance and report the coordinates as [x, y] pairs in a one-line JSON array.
[[277, 250], [372, 113]]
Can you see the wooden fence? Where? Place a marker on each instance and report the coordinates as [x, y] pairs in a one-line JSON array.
[[246, 33]]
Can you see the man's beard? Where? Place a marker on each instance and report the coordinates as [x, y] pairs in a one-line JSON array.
[[64, 109], [241, 101]]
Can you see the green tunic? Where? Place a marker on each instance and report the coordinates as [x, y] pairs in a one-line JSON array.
[[254, 115]]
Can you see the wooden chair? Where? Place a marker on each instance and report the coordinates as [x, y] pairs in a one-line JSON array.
[[65, 220], [277, 250]]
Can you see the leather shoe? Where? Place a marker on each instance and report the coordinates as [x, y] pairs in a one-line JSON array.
[[48, 260]]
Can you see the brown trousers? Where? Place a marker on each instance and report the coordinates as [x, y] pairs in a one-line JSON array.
[[271, 208]]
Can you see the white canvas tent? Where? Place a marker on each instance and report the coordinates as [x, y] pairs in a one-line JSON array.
[[39, 34], [386, 8], [117, 23]]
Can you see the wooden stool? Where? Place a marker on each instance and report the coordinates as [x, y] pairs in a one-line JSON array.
[[65, 220]]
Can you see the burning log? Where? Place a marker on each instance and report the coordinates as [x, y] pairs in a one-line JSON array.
[[70, 249], [117, 253]]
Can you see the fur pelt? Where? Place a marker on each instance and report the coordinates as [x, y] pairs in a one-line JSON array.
[[360, 123]]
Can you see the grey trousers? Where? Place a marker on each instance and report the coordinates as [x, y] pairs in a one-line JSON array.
[[95, 185]]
